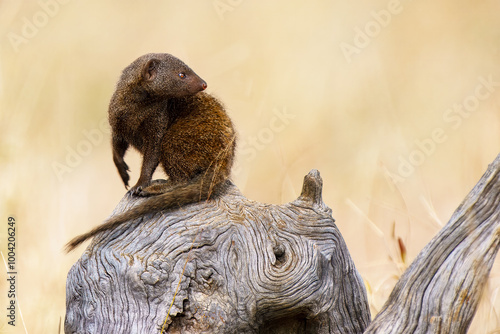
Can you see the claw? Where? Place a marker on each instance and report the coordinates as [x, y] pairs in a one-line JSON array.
[[141, 192]]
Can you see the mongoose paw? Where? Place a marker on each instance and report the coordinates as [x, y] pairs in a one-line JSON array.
[[134, 190], [142, 192], [156, 187]]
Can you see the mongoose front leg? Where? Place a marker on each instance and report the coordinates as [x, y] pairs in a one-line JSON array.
[[150, 161], [120, 146]]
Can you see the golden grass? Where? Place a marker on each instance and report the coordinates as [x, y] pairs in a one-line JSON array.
[[353, 121]]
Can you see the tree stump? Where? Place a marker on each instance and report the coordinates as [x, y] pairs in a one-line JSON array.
[[232, 265], [228, 265]]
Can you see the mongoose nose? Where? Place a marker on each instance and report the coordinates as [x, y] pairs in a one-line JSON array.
[[204, 86]]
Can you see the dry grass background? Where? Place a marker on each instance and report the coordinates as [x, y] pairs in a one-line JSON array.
[[353, 120]]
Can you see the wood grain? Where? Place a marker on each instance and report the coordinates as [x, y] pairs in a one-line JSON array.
[[229, 265]]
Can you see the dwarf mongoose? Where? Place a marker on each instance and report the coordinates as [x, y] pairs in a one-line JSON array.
[[159, 109]]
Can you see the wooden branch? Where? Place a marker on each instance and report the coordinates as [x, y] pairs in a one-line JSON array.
[[440, 291], [237, 266], [229, 265]]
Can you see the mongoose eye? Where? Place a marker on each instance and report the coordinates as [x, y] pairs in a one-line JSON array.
[[182, 75]]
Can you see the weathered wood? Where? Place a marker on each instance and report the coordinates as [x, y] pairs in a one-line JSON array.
[[237, 266], [229, 265], [440, 291]]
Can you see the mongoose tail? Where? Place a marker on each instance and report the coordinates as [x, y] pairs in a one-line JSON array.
[[175, 197]]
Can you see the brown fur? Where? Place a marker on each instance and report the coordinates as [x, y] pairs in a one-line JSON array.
[[172, 124]]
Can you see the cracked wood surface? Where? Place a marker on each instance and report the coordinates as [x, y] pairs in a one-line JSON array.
[[228, 265], [238, 266]]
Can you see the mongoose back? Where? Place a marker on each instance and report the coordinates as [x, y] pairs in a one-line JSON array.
[[159, 108]]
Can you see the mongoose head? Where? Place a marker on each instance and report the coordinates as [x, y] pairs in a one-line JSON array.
[[163, 75]]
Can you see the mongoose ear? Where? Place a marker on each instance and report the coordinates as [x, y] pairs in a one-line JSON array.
[[150, 69]]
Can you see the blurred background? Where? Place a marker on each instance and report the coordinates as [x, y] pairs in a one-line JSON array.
[[396, 103]]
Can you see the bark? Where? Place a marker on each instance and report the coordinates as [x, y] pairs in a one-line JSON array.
[[232, 265], [228, 265]]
